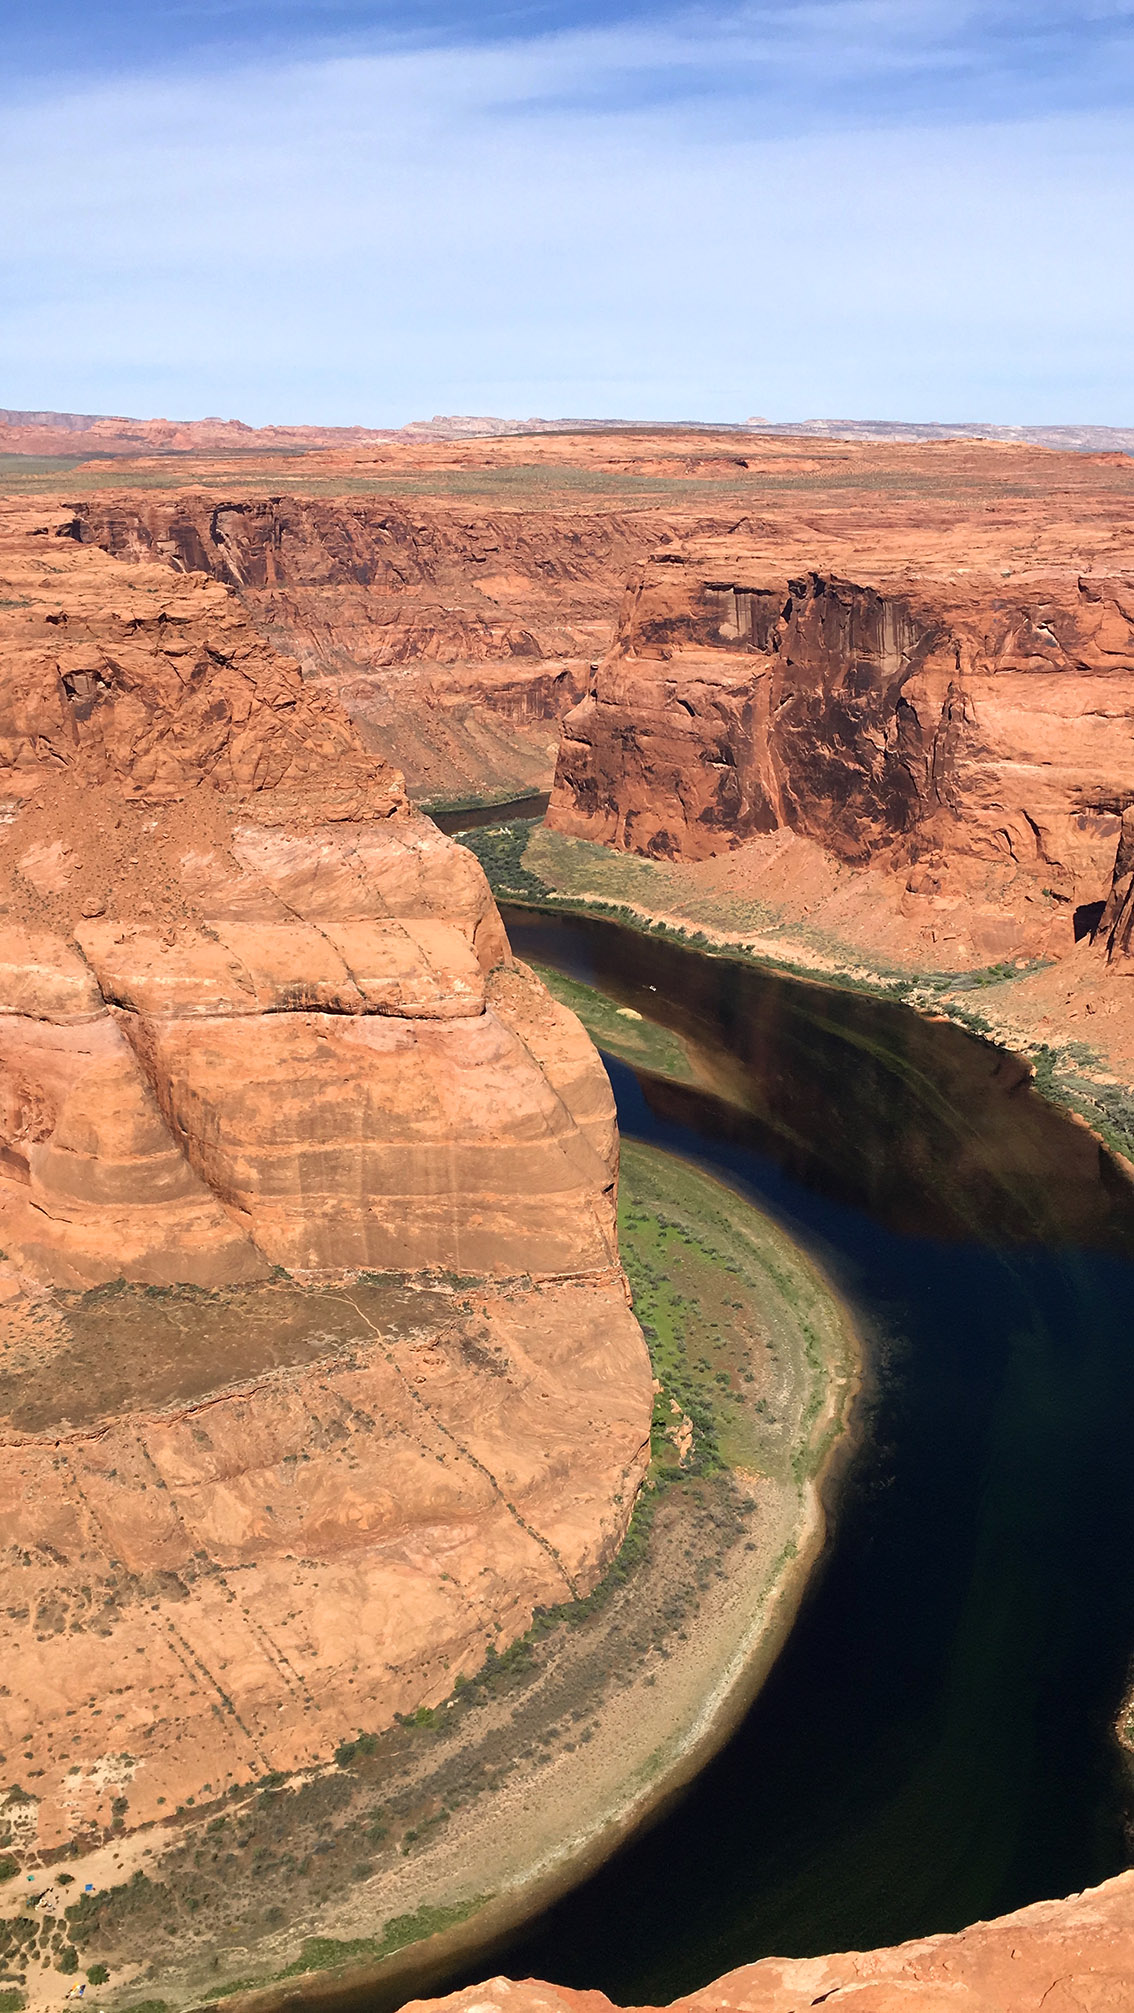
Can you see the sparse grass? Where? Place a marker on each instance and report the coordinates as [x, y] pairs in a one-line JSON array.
[[1107, 1106], [528, 486], [744, 1335], [620, 1030], [122, 1343], [326, 1953], [609, 882]]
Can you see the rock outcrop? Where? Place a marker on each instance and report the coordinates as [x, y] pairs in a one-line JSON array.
[[976, 731], [258, 1018], [457, 639], [456, 591], [1073, 1956]]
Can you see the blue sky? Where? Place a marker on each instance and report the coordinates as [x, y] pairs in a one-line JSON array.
[[372, 211]]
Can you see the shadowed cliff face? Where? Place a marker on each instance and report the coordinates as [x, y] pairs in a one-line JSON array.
[[258, 1013], [983, 726]]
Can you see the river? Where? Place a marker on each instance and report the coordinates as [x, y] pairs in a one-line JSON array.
[[471, 817], [936, 1742]]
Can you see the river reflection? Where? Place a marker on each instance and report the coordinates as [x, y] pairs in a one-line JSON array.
[[935, 1743], [935, 1133]]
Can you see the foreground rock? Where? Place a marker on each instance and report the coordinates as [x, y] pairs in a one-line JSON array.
[[1074, 1956], [258, 1018]]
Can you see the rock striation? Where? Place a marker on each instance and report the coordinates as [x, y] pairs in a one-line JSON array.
[[312, 1328], [455, 638], [976, 732]]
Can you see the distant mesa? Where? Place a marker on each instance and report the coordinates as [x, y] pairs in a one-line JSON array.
[[115, 434]]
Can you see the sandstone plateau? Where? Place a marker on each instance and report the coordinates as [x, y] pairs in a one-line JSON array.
[[317, 1372], [457, 593]]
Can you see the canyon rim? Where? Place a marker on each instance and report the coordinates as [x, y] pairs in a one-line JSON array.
[[315, 1332]]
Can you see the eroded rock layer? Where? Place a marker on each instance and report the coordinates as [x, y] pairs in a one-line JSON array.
[[978, 731], [456, 639], [258, 1018]]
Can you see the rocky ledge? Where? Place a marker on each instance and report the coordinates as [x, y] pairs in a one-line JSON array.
[[1073, 1956]]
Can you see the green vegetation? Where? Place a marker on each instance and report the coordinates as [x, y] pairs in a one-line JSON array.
[[750, 1350], [349, 1750], [500, 850], [573, 877], [325, 1953], [534, 485], [12, 2000], [577, 877], [1107, 1105], [618, 1029], [528, 865], [744, 1335]]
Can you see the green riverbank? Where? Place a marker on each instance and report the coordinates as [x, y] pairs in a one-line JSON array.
[[528, 865]]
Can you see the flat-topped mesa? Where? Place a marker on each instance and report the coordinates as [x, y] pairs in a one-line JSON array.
[[976, 728], [254, 1009]]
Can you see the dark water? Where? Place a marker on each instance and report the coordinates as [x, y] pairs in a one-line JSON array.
[[935, 1743], [490, 814]]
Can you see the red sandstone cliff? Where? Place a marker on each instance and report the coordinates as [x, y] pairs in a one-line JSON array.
[[257, 1013], [976, 730], [457, 639]]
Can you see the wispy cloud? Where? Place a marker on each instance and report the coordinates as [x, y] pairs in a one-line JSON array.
[[971, 55], [887, 206]]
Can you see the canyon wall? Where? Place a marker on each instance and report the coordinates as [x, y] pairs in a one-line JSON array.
[[317, 1369], [971, 734], [317, 1375], [455, 638]]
